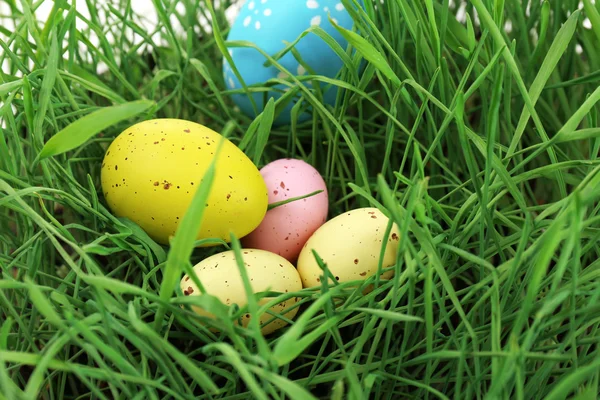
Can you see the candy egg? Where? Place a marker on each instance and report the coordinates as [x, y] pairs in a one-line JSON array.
[[152, 170], [269, 24], [220, 276], [350, 244], [285, 229]]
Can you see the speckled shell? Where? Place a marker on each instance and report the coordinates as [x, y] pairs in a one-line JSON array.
[[152, 170], [220, 276], [285, 229], [350, 245]]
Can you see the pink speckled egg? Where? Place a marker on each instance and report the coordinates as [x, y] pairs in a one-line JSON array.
[[285, 229]]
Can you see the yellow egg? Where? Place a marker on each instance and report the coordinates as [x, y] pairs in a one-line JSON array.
[[220, 276], [152, 170], [350, 244]]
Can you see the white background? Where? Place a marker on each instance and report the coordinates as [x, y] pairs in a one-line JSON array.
[[140, 7]]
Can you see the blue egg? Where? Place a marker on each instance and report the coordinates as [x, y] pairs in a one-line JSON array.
[[269, 24]]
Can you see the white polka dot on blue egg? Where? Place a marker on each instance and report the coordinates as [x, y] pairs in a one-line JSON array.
[[270, 23]]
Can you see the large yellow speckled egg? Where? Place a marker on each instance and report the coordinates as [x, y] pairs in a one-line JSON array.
[[152, 170]]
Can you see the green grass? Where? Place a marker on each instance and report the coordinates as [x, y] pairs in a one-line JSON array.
[[480, 143]]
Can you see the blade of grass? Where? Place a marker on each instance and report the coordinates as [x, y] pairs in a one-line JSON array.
[[182, 244], [80, 131]]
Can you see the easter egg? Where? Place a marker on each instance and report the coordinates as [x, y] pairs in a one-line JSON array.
[[286, 228], [350, 244], [220, 276], [269, 24], [152, 170]]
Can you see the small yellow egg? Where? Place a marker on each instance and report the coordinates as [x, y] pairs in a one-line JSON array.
[[152, 170], [350, 244], [220, 276]]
